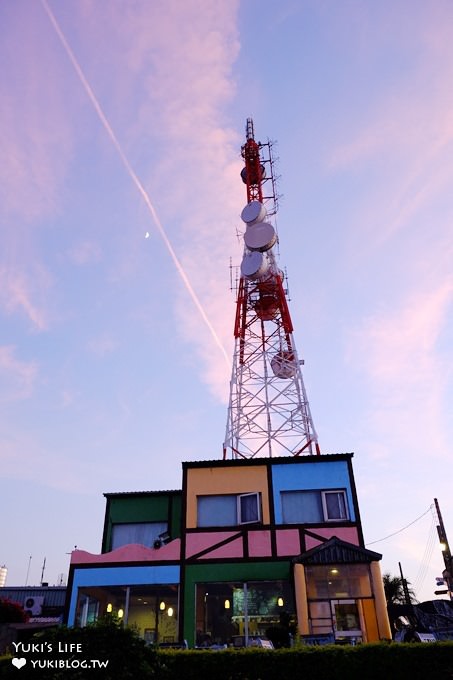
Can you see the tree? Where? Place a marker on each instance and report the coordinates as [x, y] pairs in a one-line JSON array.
[[394, 590], [12, 612]]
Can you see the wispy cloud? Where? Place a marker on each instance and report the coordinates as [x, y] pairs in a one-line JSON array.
[[17, 377], [18, 293], [400, 354], [184, 54], [102, 345], [85, 252]]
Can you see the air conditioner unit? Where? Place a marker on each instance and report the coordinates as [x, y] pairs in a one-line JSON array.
[[33, 605]]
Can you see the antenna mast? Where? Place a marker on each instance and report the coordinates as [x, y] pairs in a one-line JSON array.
[[268, 412]]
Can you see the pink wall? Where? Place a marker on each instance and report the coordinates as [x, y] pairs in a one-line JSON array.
[[195, 542], [130, 553], [348, 534], [260, 544], [288, 542]]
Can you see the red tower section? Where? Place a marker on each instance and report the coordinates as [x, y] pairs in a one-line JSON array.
[[268, 411]]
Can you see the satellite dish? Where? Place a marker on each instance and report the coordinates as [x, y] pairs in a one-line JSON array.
[[254, 212], [254, 265], [284, 364], [260, 236]]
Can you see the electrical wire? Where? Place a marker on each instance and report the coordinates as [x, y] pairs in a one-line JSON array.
[[395, 533], [427, 555]]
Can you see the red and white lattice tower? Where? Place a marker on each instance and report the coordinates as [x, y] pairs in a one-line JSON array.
[[268, 412]]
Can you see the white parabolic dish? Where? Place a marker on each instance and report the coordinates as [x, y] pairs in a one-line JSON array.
[[253, 212], [260, 236], [254, 265]]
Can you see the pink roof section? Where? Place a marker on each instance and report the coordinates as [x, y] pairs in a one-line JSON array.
[[130, 553]]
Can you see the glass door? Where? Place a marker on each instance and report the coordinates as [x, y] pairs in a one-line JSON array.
[[346, 620]]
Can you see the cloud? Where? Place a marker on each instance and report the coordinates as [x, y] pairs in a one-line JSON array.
[[401, 356], [181, 57], [85, 252], [18, 292], [401, 140], [102, 345], [17, 377]]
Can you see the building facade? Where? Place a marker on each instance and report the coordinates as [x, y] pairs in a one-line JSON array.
[[269, 546]]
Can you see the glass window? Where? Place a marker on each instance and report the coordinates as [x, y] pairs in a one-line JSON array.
[[334, 505], [301, 507], [228, 510], [143, 533], [336, 581], [225, 611], [248, 508], [152, 610], [216, 511]]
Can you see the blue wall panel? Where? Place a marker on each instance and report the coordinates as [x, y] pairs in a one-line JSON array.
[[119, 576], [310, 476]]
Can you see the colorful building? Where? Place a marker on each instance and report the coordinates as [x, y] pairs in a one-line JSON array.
[[248, 547], [266, 541]]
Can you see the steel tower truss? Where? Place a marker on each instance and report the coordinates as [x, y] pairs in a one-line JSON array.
[[268, 412]]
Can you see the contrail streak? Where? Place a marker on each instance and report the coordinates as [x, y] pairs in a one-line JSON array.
[[134, 178]]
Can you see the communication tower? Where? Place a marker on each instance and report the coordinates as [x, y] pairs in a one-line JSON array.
[[268, 412]]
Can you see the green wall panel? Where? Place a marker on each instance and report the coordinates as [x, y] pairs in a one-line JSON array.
[[237, 571]]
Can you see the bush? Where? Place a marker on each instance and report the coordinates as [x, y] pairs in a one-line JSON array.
[[106, 641]]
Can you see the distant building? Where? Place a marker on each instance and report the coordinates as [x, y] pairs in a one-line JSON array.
[[247, 547], [45, 607], [3, 575]]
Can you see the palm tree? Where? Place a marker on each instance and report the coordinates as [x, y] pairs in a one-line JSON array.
[[394, 588]]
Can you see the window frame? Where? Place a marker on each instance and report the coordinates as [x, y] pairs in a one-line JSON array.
[[241, 521], [339, 492], [152, 524]]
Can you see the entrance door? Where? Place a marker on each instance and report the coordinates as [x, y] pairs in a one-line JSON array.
[[346, 619]]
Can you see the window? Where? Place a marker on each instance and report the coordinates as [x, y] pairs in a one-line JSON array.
[[224, 609], [334, 505], [301, 507], [248, 508], [314, 507], [336, 581], [144, 533], [228, 510]]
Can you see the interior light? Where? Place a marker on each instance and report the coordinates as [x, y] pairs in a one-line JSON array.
[[120, 613], [334, 571], [109, 607], [170, 611], [162, 606], [227, 604], [280, 601]]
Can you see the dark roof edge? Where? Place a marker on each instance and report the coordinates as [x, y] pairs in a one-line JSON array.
[[283, 460], [172, 492], [338, 551]]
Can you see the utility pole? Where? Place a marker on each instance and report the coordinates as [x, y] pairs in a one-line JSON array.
[[407, 597], [447, 573]]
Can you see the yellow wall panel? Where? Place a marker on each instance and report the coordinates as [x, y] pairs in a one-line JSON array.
[[369, 614], [228, 480]]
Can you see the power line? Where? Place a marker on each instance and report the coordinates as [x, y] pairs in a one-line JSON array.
[[403, 529]]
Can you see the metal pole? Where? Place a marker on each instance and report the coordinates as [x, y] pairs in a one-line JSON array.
[[246, 616], [407, 597], [447, 574]]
